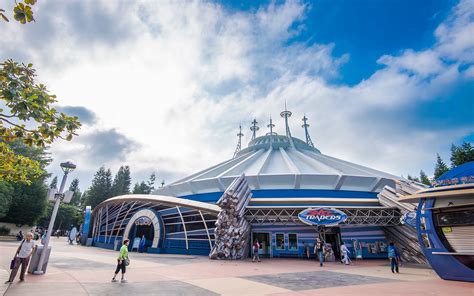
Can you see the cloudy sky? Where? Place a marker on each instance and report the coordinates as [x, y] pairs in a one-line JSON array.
[[163, 85]]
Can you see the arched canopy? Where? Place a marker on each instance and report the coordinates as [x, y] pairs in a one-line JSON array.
[[168, 201]]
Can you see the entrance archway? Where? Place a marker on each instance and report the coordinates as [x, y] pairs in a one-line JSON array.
[[147, 220]]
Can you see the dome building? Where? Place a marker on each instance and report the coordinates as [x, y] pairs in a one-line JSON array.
[[286, 176]]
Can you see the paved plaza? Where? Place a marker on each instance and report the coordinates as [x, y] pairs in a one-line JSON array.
[[77, 270]]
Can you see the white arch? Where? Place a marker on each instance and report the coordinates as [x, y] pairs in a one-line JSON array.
[[154, 219]]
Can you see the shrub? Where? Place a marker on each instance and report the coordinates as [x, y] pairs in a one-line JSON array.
[[4, 230]]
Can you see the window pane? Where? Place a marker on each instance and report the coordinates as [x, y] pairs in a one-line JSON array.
[[280, 241], [292, 241]]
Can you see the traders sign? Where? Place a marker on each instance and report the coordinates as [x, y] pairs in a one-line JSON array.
[[322, 216]]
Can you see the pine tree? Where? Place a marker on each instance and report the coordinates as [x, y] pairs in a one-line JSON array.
[[54, 182], [101, 187], [424, 178], [461, 154], [440, 167], [151, 182], [74, 187], [122, 181], [141, 188]]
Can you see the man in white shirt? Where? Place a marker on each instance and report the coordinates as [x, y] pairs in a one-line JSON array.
[[22, 257]]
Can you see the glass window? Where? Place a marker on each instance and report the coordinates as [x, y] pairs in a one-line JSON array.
[[463, 217], [280, 241], [292, 241]]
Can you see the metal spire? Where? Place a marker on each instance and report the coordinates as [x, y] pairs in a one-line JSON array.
[[239, 144], [271, 126], [305, 126], [254, 128], [286, 114]]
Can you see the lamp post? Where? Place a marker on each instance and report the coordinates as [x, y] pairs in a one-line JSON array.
[[67, 167]]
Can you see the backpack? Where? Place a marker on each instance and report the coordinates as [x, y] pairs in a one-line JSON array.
[[391, 252]]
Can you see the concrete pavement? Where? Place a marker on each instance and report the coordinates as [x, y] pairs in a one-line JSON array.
[[78, 270]]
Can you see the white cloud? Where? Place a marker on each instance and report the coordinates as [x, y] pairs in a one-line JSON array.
[[176, 78]]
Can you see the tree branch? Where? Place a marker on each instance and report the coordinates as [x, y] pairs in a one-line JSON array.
[[16, 125]]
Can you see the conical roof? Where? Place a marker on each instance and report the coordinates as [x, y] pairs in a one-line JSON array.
[[280, 162]]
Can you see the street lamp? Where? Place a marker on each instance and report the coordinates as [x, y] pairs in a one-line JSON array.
[[67, 167]]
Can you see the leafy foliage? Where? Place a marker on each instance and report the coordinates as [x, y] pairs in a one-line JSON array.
[[461, 154], [424, 178], [22, 12], [27, 201], [101, 187], [122, 181], [6, 195], [145, 187], [14, 167], [25, 101], [67, 215], [54, 182], [440, 167], [77, 196]]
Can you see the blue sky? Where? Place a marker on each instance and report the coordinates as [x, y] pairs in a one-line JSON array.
[[368, 29], [386, 84]]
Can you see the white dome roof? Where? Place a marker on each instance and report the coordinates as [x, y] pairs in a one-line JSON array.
[[275, 162]]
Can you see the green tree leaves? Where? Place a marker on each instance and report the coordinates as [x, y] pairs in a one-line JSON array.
[[122, 181], [101, 187], [461, 154], [22, 12], [440, 167], [26, 101]]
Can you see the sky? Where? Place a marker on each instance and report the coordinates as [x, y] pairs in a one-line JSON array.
[[162, 86]]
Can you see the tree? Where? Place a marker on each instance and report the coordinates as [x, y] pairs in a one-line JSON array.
[[67, 215], [76, 199], [461, 154], [27, 201], [6, 194], [440, 167], [22, 12], [25, 101], [54, 182], [151, 182], [414, 179], [122, 181], [101, 187], [424, 178], [141, 188], [145, 187]]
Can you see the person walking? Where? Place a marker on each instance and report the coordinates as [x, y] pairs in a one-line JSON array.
[[306, 249], [255, 248], [393, 256], [345, 254], [22, 257], [122, 262], [319, 251]]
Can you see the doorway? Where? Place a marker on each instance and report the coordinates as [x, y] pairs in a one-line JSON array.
[[140, 231], [264, 241], [332, 236]]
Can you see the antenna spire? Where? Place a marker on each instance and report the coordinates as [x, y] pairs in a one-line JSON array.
[[239, 144], [305, 126], [254, 128], [286, 114], [271, 126]]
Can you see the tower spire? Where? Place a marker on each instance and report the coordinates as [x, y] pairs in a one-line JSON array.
[[239, 144], [271, 126], [254, 128], [286, 114], [305, 126]]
